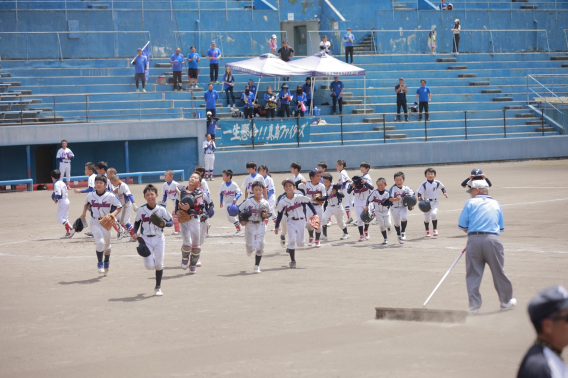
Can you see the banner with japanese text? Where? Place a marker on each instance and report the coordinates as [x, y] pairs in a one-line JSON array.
[[238, 131]]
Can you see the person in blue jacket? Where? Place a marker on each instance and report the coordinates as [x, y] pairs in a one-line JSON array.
[[210, 96], [285, 98], [299, 98], [247, 98], [140, 64]]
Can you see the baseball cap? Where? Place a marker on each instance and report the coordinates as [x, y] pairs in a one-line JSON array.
[[476, 172], [284, 85], [400, 78], [209, 113], [457, 20], [138, 49], [477, 184], [547, 302], [213, 42], [315, 171], [273, 35], [288, 180]]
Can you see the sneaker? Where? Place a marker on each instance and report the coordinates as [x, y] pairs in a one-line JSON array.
[[256, 269], [292, 265], [349, 220], [362, 238], [217, 82], [137, 90], [238, 233], [344, 236], [311, 242], [100, 266], [66, 236], [198, 263], [106, 265], [474, 311], [333, 113], [175, 90], [144, 90], [158, 291], [386, 241], [184, 263], [400, 240], [403, 235], [192, 270], [287, 250], [282, 241], [376, 221], [427, 233], [131, 240], [318, 244], [509, 305], [89, 234], [71, 233], [323, 237], [435, 232], [211, 178], [120, 235], [175, 233], [367, 235], [329, 223]]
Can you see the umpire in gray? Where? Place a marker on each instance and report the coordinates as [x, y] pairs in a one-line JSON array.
[[482, 220]]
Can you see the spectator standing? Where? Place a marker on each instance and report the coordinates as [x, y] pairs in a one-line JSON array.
[[140, 68], [325, 45], [482, 220], [255, 107], [211, 125], [176, 61], [308, 91], [401, 90], [348, 40], [273, 44], [229, 83], [286, 53], [193, 59], [336, 87], [213, 54], [299, 101], [210, 96], [247, 99], [285, 98], [270, 103], [423, 96], [432, 42], [548, 311], [456, 31]]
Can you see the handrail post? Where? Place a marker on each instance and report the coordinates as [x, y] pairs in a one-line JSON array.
[[384, 129], [252, 131], [341, 118], [465, 120], [54, 110], [504, 124], [298, 129], [542, 121], [139, 109], [425, 130], [21, 112]]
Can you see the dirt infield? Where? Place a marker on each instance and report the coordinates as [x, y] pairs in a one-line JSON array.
[[60, 318]]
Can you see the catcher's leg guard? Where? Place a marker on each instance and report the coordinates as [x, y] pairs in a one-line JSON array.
[[185, 250], [195, 252], [176, 222]]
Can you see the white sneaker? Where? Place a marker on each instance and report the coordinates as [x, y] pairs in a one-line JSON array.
[[175, 233], [144, 90], [362, 238], [474, 311], [66, 236], [120, 236], [318, 244], [349, 220], [238, 233], [158, 291], [386, 241], [344, 236], [403, 235], [282, 241], [256, 269], [131, 240], [198, 263], [435, 232], [329, 223], [137, 90], [184, 263], [101, 268], [400, 240], [89, 234], [509, 305], [311, 242], [427, 233], [192, 269], [367, 237], [376, 221], [71, 233], [211, 178]]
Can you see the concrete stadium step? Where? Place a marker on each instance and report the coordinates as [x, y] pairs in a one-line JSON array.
[[529, 6], [501, 99], [98, 6], [23, 91], [556, 58], [467, 75], [479, 83], [511, 107], [395, 136], [353, 102], [373, 120], [535, 122], [547, 128], [447, 60], [5, 74], [363, 111], [387, 128], [524, 115], [12, 83], [491, 91], [457, 68]]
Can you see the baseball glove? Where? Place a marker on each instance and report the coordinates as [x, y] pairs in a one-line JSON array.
[[315, 222], [108, 221], [264, 212], [183, 216], [318, 200], [157, 220]]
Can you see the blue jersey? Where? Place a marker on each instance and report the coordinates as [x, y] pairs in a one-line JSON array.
[[283, 100], [346, 39], [195, 62], [140, 64], [336, 87], [308, 91], [231, 80], [210, 97], [215, 54], [423, 94], [247, 100], [177, 59]]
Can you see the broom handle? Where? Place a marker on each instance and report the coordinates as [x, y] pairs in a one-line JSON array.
[[445, 275]]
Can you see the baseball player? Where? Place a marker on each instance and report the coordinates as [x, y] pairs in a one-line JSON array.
[[205, 187], [399, 212], [333, 198], [64, 156], [60, 197], [102, 169], [209, 150], [152, 235], [252, 177], [429, 190], [128, 204], [360, 189], [255, 229], [169, 192], [380, 198], [476, 174], [295, 169], [101, 203], [193, 231], [291, 205], [229, 193], [269, 184], [344, 180], [90, 169], [314, 190]]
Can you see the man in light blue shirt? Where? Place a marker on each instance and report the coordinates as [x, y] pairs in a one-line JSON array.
[[140, 67], [210, 96], [348, 40], [176, 61], [193, 59], [482, 220], [213, 54], [423, 96], [336, 87]]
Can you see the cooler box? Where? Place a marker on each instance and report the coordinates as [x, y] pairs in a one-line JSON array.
[[317, 111]]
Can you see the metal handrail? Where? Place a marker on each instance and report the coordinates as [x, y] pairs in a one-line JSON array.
[[545, 100], [566, 38]]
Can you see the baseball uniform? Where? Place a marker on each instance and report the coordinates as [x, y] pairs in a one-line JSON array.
[[247, 184], [429, 190], [255, 229], [209, 150], [152, 235], [64, 156], [230, 192], [99, 206]]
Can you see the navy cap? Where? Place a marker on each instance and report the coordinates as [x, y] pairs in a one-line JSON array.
[[315, 171], [476, 172], [547, 302], [288, 180]]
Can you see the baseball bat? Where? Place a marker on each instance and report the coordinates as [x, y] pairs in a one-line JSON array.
[[443, 278]]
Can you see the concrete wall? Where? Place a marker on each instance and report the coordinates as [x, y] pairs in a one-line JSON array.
[[400, 154]]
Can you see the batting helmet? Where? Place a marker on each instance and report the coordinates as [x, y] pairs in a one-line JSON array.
[[366, 217], [78, 225], [409, 201], [142, 248], [424, 206], [188, 200], [233, 210], [244, 215], [337, 186]]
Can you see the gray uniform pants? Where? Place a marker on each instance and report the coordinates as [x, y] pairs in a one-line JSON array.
[[481, 250]]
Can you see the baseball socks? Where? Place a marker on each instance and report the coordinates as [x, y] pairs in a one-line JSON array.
[[257, 263], [324, 231], [367, 231], [100, 265], [311, 240], [107, 263], [435, 227], [318, 235], [292, 253], [158, 288], [427, 226]]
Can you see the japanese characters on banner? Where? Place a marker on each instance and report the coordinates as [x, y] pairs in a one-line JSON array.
[[238, 131]]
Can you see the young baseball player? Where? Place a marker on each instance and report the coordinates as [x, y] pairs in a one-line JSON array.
[[209, 150], [295, 169], [205, 187], [252, 177], [169, 192], [101, 203], [333, 198], [344, 180], [64, 156], [90, 172], [269, 184], [192, 231], [229, 193], [429, 190], [111, 172], [399, 212], [315, 190], [121, 232], [476, 174], [101, 168], [360, 189], [128, 204], [291, 205], [151, 235], [380, 198], [60, 197], [322, 166], [255, 229]]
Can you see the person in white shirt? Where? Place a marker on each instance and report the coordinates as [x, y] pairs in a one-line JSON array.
[[429, 191], [64, 156], [209, 150], [229, 193], [325, 45], [169, 192], [316, 190], [61, 198], [126, 199]]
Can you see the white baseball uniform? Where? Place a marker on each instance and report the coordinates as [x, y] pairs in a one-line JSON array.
[[64, 156], [60, 193], [229, 192], [429, 190], [295, 218], [247, 184], [334, 207], [255, 229], [205, 187], [312, 191], [398, 210], [269, 184], [125, 197], [153, 235], [360, 196], [382, 204], [169, 192], [344, 179], [193, 232], [99, 206], [209, 150]]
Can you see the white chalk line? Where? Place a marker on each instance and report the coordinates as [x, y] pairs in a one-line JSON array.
[[535, 187]]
